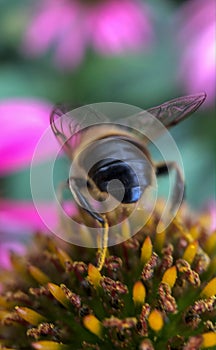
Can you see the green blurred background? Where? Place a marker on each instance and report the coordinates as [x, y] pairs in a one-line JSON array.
[[144, 79]]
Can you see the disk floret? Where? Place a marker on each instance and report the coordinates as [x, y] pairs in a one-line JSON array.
[[154, 291]]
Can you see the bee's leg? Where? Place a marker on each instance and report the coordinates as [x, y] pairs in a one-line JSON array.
[[179, 186], [75, 189]]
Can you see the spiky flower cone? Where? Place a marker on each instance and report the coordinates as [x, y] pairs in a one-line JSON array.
[[155, 291]]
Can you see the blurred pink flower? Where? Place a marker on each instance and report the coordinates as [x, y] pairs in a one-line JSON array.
[[198, 47], [70, 26], [22, 124]]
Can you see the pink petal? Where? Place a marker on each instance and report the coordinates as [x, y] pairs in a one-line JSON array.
[[198, 46], [198, 65], [70, 50], [56, 25], [6, 249], [213, 216], [23, 122], [47, 24], [196, 14], [68, 26], [16, 216], [119, 26]]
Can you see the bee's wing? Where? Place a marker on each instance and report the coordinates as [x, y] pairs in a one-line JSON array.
[[153, 121], [69, 126], [172, 112]]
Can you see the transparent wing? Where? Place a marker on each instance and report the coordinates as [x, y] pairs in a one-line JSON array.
[[69, 126], [172, 112], [153, 122]]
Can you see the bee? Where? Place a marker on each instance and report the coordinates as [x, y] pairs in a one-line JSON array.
[[102, 151]]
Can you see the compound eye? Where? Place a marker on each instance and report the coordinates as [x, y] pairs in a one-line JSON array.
[[118, 178]]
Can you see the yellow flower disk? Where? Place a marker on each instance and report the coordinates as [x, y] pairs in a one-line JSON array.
[[210, 289], [93, 325], [139, 293], [190, 252], [170, 276], [58, 294], [49, 345], [156, 320], [209, 339], [30, 316], [94, 275], [146, 250], [38, 275]]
